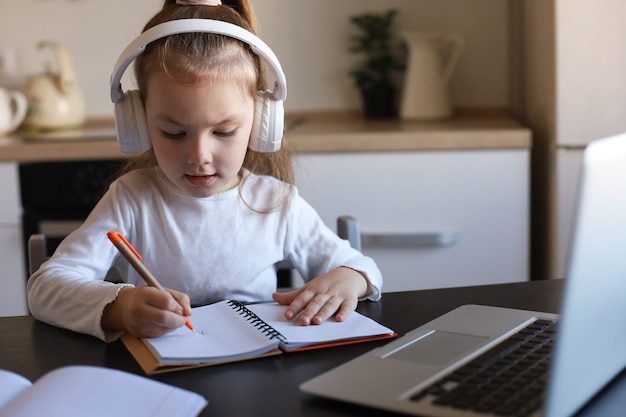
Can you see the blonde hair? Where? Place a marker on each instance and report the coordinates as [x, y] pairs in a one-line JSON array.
[[194, 57]]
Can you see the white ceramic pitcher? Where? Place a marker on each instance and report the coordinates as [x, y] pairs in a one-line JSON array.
[[425, 94], [13, 106]]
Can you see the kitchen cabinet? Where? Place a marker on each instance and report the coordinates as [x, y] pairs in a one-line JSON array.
[[440, 203], [12, 282], [429, 219]]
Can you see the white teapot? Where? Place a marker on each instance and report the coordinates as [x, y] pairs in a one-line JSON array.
[[13, 106], [55, 99]]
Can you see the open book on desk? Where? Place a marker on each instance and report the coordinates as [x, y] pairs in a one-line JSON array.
[[229, 331], [78, 391]]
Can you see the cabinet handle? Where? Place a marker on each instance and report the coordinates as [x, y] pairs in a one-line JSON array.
[[58, 228], [426, 239]]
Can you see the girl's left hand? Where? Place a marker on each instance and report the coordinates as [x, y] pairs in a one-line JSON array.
[[334, 293]]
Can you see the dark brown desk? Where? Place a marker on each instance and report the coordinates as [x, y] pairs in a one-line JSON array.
[[269, 386]]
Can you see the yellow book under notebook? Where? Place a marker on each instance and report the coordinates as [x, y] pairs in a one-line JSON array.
[[229, 331]]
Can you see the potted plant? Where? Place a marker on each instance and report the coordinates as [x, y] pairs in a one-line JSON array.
[[373, 74]]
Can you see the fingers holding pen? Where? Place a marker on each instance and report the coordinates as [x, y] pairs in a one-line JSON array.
[[182, 300], [151, 312], [157, 309]]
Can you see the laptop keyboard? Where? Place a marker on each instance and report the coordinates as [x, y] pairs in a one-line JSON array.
[[508, 380]]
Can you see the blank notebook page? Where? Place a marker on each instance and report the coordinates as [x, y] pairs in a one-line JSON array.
[[225, 334], [356, 326], [79, 391]]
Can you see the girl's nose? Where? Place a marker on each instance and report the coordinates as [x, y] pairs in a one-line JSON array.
[[200, 152]]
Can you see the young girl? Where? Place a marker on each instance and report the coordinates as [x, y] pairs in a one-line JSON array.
[[210, 216]]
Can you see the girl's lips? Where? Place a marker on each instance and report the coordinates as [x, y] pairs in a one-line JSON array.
[[201, 180]]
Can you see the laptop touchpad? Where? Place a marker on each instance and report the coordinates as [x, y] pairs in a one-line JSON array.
[[437, 348]]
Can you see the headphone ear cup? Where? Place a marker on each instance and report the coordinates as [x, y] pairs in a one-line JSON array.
[[130, 122], [269, 120]]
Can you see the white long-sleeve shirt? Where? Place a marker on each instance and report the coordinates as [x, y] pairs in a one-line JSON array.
[[211, 248]]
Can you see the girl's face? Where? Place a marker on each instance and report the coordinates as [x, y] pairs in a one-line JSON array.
[[199, 132]]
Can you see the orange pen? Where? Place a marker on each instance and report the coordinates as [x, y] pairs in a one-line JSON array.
[[134, 258]]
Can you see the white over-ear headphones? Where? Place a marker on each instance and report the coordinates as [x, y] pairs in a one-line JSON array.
[[130, 119]]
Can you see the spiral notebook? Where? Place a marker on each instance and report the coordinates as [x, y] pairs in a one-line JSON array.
[[230, 331]]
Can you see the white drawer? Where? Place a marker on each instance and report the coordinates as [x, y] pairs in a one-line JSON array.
[[432, 219]]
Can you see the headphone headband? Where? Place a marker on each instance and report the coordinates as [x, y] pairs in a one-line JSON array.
[[130, 117], [162, 30]]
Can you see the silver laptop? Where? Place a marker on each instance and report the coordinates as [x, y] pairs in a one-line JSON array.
[[424, 372]]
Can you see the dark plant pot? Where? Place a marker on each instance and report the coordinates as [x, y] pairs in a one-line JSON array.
[[378, 102]]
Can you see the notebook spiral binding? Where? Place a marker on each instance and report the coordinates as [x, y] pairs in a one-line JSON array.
[[256, 321]]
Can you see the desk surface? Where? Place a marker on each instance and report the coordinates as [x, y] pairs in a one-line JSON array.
[[269, 386]]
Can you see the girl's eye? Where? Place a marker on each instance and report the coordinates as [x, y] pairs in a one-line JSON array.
[[178, 135], [226, 134]]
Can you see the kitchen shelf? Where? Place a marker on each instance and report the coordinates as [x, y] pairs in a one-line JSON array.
[[306, 133]]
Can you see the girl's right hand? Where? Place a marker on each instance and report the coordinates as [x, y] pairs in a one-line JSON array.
[[146, 311]]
